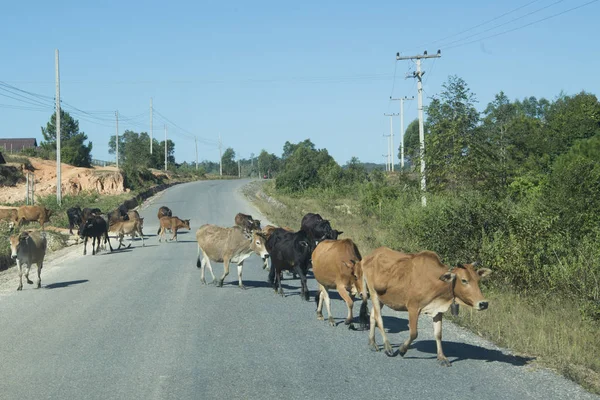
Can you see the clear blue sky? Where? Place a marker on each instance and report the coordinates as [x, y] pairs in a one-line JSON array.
[[260, 73]]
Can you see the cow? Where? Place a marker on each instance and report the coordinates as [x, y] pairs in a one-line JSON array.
[[247, 223], [119, 214], [163, 212], [75, 216], [227, 245], [27, 248], [289, 251], [267, 230], [418, 283], [33, 213], [86, 213], [336, 265], [10, 215], [96, 228], [131, 227], [173, 223], [317, 228]]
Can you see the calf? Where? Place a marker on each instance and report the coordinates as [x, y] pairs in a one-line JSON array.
[[336, 264], [119, 214], [27, 248], [10, 215], [227, 245], [75, 216], [96, 228], [418, 283], [289, 251], [131, 227], [247, 223], [33, 213], [317, 228], [163, 212], [173, 223]]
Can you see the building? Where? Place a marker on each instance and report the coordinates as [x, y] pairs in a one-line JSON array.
[[17, 144]]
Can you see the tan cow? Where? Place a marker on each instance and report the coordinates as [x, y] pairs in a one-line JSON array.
[[227, 245], [27, 248], [336, 265], [418, 283], [9, 215], [173, 223], [33, 213], [131, 227]]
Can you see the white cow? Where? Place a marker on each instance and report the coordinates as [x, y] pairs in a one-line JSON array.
[[27, 248]]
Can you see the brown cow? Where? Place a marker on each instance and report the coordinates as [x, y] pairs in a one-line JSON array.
[[27, 248], [173, 223], [33, 213], [418, 283], [227, 245], [131, 227], [10, 215], [336, 264], [164, 211]]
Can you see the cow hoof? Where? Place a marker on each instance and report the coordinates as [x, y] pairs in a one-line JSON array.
[[351, 327], [331, 322], [202, 281], [29, 282], [401, 351], [39, 285], [281, 293], [391, 353], [444, 362], [320, 316], [220, 284], [242, 287], [20, 288], [373, 346]]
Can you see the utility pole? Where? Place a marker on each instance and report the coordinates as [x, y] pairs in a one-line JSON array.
[[117, 137], [251, 164], [402, 99], [387, 156], [151, 129], [196, 141], [220, 157], [165, 147], [419, 75], [58, 167], [392, 156], [239, 169]]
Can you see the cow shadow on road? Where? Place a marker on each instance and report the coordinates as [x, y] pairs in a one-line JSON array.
[[464, 351], [58, 285], [258, 284]]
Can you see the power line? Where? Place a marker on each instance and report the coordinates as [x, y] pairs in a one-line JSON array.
[[524, 26]]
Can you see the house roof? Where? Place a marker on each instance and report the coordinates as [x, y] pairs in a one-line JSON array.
[[17, 144]]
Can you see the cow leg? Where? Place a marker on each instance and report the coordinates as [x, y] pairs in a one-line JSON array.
[[142, 236], [39, 271], [376, 320], [206, 261], [70, 228], [93, 245], [162, 234], [158, 231], [319, 299], [29, 281], [304, 295], [266, 264], [20, 267], [437, 332], [349, 303], [120, 241], [325, 295], [413, 319], [278, 288], [240, 270], [107, 240], [225, 272]]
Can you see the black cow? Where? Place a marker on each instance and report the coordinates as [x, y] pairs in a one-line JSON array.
[[75, 217], [96, 228], [317, 228], [289, 251], [90, 212]]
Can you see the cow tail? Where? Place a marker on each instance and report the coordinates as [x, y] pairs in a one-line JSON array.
[[198, 262], [317, 296], [363, 317]]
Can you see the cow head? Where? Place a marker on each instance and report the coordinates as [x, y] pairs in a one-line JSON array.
[[15, 243], [259, 241], [465, 280], [87, 224], [186, 224]]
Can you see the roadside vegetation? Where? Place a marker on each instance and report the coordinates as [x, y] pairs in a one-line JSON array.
[[516, 187]]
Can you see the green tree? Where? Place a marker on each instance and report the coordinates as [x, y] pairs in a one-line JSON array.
[[411, 142], [134, 150], [455, 151], [230, 166], [268, 163], [290, 148], [73, 149], [301, 169]]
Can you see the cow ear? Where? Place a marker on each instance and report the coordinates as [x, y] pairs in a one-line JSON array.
[[448, 277], [339, 232], [303, 243], [484, 273], [23, 236]]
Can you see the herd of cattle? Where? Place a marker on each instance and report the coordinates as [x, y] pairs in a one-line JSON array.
[[418, 283]]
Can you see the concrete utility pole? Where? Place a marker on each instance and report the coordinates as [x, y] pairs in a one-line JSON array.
[[220, 157], [117, 137], [151, 129], [239, 169], [387, 156], [419, 75], [165, 147], [57, 120], [196, 141], [392, 152], [402, 99]]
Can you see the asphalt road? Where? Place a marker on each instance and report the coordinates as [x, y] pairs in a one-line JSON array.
[[137, 324]]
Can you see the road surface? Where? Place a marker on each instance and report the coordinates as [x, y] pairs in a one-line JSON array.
[[137, 324]]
